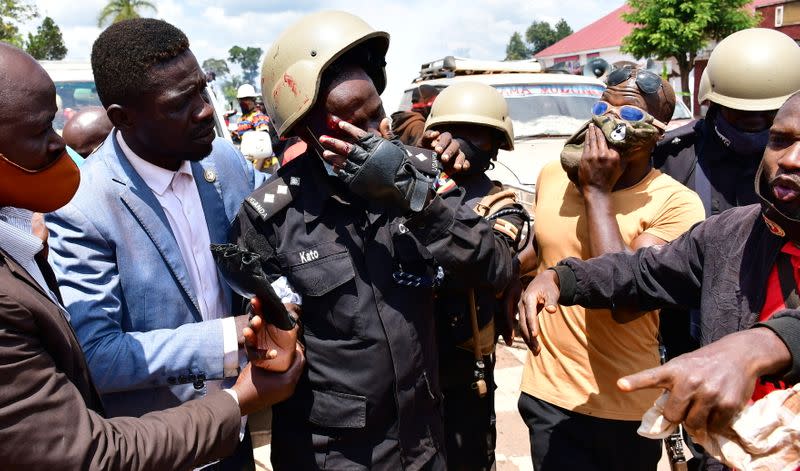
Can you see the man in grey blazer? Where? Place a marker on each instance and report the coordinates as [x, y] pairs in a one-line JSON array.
[[131, 250], [51, 417]]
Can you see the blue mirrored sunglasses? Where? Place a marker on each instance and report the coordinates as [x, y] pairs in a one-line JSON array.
[[626, 112]]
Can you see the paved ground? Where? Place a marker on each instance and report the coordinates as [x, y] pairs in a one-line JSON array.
[[513, 446]]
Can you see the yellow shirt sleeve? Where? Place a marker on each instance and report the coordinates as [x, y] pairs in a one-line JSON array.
[[682, 210]]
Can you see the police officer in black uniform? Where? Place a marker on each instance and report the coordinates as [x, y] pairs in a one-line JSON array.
[[476, 115], [358, 241], [746, 81]]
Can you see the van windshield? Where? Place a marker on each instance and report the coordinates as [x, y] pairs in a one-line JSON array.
[[73, 97], [549, 109]]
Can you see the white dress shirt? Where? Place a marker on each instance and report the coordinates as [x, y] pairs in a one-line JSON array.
[[178, 195], [19, 242]]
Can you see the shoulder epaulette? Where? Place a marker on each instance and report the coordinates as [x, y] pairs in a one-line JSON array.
[[274, 195], [424, 160], [684, 136]]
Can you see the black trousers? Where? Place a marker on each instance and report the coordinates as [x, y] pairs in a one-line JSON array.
[[469, 420], [562, 439], [296, 448]]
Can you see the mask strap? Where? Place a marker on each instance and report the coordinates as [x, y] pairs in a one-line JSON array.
[[27, 170]]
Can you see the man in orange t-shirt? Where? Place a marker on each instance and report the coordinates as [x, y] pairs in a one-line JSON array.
[[739, 269], [613, 201]]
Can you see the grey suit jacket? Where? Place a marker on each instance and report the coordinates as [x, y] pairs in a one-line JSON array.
[[51, 415], [126, 287]]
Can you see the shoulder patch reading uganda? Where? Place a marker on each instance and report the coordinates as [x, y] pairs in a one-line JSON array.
[[272, 197]]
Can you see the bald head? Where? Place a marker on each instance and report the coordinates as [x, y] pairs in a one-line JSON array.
[[20, 76], [27, 109], [660, 104], [87, 129]]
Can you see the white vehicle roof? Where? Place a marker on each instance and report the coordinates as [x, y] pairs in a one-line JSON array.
[[64, 71], [69, 71], [512, 79], [452, 66]]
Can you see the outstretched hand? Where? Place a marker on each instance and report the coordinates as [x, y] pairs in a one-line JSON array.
[[541, 294], [709, 386]]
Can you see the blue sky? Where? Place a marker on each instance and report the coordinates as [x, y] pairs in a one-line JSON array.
[[421, 30]]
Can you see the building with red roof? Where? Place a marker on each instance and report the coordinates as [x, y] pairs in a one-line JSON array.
[[781, 15], [603, 38]]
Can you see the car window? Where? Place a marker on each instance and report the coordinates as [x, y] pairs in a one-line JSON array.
[[681, 111], [549, 109], [405, 102], [73, 97]]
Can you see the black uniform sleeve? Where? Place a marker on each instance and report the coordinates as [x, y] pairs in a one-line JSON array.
[[651, 278], [464, 243], [786, 325], [252, 233]]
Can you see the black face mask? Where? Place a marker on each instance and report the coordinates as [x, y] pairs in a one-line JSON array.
[[479, 160], [740, 142]]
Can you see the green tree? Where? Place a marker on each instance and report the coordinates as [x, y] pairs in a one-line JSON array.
[[218, 66], [47, 43], [248, 59], [119, 10], [679, 29], [230, 86], [563, 29], [516, 49], [12, 14], [538, 36]]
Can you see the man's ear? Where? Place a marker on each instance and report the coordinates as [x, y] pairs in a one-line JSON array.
[[120, 117]]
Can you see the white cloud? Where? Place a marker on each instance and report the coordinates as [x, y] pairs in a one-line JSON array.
[[421, 30]]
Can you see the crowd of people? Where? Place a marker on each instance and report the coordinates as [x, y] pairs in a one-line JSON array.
[[122, 346]]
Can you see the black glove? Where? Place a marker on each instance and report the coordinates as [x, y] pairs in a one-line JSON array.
[[242, 270], [382, 170]]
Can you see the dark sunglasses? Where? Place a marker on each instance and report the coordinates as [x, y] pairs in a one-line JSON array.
[[647, 81]]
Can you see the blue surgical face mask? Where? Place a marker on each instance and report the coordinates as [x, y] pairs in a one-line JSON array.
[[740, 142]]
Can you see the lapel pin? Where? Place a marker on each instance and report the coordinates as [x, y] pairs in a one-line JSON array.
[[210, 176]]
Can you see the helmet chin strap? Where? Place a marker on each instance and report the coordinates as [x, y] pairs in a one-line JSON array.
[[778, 222]]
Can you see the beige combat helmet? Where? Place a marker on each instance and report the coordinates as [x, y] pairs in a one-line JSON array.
[[472, 103], [752, 70], [293, 66]]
